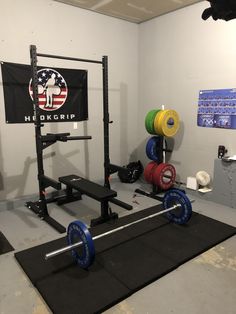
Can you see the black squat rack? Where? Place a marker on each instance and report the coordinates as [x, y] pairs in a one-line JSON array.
[[75, 185]]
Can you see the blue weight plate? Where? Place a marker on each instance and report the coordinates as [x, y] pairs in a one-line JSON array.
[[152, 148], [78, 232], [181, 215]]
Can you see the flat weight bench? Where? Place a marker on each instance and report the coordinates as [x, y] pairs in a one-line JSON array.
[[93, 190]]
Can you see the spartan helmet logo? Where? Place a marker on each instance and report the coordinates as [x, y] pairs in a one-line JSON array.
[[52, 89]]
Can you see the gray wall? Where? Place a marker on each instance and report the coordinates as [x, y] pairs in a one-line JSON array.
[[165, 61], [181, 54], [66, 30]]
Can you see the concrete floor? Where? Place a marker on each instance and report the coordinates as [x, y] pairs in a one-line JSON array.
[[206, 284]]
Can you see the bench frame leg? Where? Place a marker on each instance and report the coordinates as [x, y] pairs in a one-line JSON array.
[[106, 215]]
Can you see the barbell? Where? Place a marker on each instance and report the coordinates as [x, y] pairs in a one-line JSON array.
[[172, 200]]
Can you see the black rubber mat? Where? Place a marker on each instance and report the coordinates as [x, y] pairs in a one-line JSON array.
[[125, 261], [5, 246]]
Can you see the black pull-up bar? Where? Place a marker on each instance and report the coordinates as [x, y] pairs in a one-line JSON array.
[[67, 58]]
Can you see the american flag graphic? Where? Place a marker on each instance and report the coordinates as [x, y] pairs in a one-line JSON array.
[[52, 89]]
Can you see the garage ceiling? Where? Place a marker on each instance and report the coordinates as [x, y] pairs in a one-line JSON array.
[[136, 11]]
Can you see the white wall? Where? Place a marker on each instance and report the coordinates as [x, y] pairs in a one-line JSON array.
[[181, 54], [66, 30]]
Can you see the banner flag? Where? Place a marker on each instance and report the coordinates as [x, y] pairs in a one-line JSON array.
[[63, 94]]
